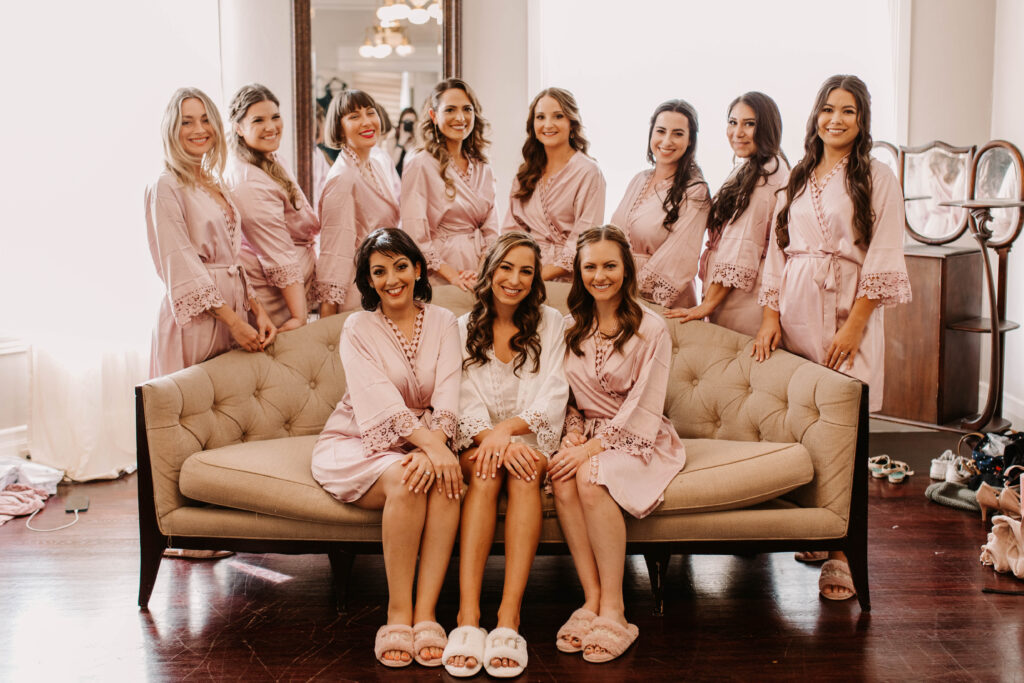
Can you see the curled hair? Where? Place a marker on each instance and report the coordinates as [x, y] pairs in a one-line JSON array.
[[687, 173], [176, 159], [858, 169], [247, 96], [734, 196], [581, 304], [343, 104], [534, 156], [525, 342], [436, 144], [391, 242]]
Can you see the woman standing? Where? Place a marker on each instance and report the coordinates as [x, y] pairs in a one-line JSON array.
[[357, 199], [511, 414], [279, 226], [665, 208], [195, 240], [740, 218], [836, 257], [448, 191], [559, 190], [386, 444], [620, 452]]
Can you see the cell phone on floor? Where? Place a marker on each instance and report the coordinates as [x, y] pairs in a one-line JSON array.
[[76, 502]]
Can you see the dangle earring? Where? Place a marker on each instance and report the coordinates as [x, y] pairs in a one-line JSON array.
[[437, 137]]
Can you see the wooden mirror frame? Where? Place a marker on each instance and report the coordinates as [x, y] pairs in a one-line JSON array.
[[1015, 154], [304, 114], [920, 149]]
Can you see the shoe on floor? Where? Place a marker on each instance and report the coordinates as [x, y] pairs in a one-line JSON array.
[[611, 636], [940, 465], [577, 627], [393, 638], [835, 582], [465, 641], [504, 643], [428, 634]]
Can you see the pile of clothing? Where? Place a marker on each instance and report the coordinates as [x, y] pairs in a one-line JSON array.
[[25, 486]]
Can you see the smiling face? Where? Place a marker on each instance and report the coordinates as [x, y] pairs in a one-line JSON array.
[[196, 132], [361, 128], [551, 124], [740, 130], [261, 127], [670, 138], [838, 127], [602, 270], [454, 116], [512, 279], [394, 277]]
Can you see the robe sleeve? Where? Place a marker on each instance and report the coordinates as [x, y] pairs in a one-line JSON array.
[[511, 222], [444, 401], [545, 414], [335, 269], [264, 227], [588, 210], [634, 429], [489, 228], [738, 256], [673, 266], [884, 273], [774, 262], [473, 414], [190, 289], [415, 202]]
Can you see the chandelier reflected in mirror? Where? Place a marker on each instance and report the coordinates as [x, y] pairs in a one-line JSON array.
[[389, 36]]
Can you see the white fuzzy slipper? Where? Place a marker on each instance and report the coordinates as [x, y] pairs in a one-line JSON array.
[[504, 643], [464, 641]]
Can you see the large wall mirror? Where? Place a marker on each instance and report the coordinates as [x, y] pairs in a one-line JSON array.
[[932, 174], [396, 50]]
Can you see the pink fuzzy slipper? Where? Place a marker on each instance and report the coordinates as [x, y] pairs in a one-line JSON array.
[[611, 636], [428, 634], [393, 637], [576, 628], [835, 582]]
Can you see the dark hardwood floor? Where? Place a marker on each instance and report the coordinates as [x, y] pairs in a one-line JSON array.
[[69, 613]]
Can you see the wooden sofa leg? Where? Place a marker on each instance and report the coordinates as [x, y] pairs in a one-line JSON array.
[[150, 553], [657, 569], [341, 568], [859, 572]]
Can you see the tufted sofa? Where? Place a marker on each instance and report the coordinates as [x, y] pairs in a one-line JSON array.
[[776, 456]]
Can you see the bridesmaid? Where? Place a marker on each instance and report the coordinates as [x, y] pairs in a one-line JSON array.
[[665, 208], [559, 190], [511, 414], [620, 452], [386, 444], [358, 198], [279, 226], [740, 218], [195, 240], [448, 191], [835, 259]]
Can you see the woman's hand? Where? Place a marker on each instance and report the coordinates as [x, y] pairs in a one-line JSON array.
[[844, 346], [685, 315], [265, 328], [419, 471], [245, 335], [768, 337], [291, 324], [447, 470], [566, 461], [490, 454], [521, 461], [467, 278]]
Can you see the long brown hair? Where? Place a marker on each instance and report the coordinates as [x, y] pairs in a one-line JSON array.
[[687, 173], [247, 96], [534, 156], [858, 169], [734, 196], [480, 328], [581, 303], [436, 144]]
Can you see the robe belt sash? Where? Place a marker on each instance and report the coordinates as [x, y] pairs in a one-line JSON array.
[[828, 275], [235, 271]]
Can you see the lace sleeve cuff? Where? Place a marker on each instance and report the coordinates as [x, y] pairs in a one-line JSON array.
[[731, 275], [468, 428], [331, 293], [658, 288], [446, 421], [565, 257], [282, 276], [769, 297], [432, 256], [196, 302], [547, 437], [386, 433], [891, 288], [619, 439]]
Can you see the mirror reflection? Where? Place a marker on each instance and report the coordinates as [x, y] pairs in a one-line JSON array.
[[999, 178], [887, 155], [931, 177]]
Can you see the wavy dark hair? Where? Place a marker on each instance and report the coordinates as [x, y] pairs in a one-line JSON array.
[[581, 303], [392, 242], [687, 173], [534, 156], [734, 196], [343, 104], [858, 169], [435, 143], [527, 316], [247, 96]]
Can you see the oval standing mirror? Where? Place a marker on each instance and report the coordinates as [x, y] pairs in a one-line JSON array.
[[888, 154], [998, 175], [932, 174]]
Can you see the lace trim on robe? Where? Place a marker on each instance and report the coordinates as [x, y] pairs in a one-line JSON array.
[[282, 276], [446, 421], [432, 256], [619, 439], [769, 296], [892, 288], [468, 175], [330, 293], [657, 287], [384, 434], [731, 275], [467, 429], [564, 257], [409, 348], [195, 303], [547, 437]]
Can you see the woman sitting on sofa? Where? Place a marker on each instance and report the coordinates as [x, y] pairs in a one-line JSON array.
[[386, 444], [510, 419], [620, 451]]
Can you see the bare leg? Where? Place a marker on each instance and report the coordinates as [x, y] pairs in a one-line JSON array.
[[574, 528], [439, 531]]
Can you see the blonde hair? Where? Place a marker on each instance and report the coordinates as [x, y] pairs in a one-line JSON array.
[[176, 159], [247, 96]]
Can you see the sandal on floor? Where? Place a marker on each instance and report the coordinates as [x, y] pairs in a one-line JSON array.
[[835, 576], [899, 471], [611, 636], [393, 638], [578, 626], [879, 466], [811, 556], [428, 634], [465, 641], [504, 643]]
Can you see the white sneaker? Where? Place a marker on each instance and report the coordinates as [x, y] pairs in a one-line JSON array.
[[941, 464], [959, 470]]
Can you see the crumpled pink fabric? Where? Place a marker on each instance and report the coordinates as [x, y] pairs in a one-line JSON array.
[[20, 499]]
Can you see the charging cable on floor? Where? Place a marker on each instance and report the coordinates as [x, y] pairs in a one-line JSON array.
[[75, 503]]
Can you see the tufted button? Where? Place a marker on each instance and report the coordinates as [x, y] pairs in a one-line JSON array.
[[330, 347], [750, 390], [695, 381], [312, 385], [718, 423], [256, 393], [287, 426]]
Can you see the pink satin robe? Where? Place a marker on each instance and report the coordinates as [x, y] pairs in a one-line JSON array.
[[387, 398], [814, 282], [196, 250], [570, 202], [277, 238], [351, 208], [736, 257], [453, 230], [666, 261], [621, 396]]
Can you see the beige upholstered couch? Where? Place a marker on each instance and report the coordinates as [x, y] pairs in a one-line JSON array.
[[776, 456]]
